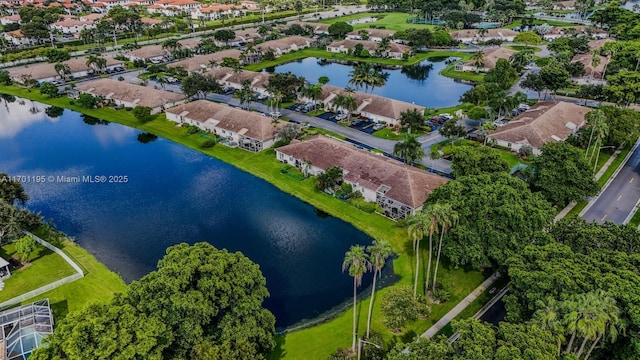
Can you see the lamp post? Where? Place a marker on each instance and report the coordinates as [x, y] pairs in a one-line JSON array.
[[360, 342]]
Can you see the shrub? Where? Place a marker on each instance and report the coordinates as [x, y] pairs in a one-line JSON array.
[[142, 113], [25, 247], [208, 144], [525, 151], [192, 130], [346, 188], [120, 78], [441, 295]]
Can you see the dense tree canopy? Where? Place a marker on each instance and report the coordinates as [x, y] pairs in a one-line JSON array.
[[498, 217], [476, 160], [201, 302], [562, 174]]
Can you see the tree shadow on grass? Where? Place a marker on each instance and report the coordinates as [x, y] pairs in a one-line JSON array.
[[60, 310], [278, 351], [40, 253]]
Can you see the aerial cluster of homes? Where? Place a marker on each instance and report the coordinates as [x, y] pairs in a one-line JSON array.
[[598, 38]]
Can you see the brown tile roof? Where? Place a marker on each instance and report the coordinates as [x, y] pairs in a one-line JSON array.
[[120, 90], [407, 184], [147, 52], [491, 33], [317, 27], [227, 74], [492, 56], [374, 104], [200, 62], [255, 126], [45, 70], [597, 44], [545, 122], [284, 43], [370, 45], [586, 60], [557, 30], [381, 33]]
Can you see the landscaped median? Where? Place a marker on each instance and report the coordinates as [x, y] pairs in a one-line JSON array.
[[312, 343]]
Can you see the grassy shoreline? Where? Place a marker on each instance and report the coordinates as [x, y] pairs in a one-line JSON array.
[[323, 339]]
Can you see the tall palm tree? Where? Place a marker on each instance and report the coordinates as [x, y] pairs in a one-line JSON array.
[[478, 59], [446, 217], [162, 79], [611, 321], [417, 228], [383, 45], [62, 69], [350, 105], [409, 149], [367, 75], [549, 317], [595, 61], [356, 261], [379, 251]]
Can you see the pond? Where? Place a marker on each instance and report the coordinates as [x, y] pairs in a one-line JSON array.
[[173, 194], [421, 84]]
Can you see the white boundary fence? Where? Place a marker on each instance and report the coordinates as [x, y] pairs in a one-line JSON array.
[[43, 289]]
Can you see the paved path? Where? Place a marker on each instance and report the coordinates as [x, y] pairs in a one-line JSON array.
[[432, 331], [618, 200]]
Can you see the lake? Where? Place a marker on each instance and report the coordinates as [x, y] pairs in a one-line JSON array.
[[173, 194], [421, 84]]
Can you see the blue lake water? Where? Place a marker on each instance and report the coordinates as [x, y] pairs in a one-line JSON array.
[[421, 84], [174, 195]]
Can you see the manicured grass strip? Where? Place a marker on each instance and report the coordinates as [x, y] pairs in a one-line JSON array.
[[388, 133], [614, 165], [44, 268], [575, 211], [98, 285], [635, 220], [523, 47], [450, 71], [389, 21]]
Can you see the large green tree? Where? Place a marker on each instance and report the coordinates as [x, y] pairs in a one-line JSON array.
[[409, 149], [476, 160], [562, 174], [498, 217], [200, 300]]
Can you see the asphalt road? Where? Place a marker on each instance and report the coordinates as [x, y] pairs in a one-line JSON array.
[[620, 198]]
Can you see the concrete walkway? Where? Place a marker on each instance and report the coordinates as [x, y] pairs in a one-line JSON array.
[[432, 331]]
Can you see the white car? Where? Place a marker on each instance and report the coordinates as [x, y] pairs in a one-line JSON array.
[[377, 127], [446, 116]]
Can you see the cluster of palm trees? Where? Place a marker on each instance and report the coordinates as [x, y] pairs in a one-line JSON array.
[[346, 101], [409, 149], [581, 320], [358, 261], [432, 219], [96, 63], [368, 76]]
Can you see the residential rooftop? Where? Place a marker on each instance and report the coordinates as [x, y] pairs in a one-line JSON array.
[[137, 94]]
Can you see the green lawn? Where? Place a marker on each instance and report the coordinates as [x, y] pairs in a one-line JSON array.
[[614, 165], [391, 21], [98, 285], [319, 341], [575, 211], [635, 220], [45, 267], [450, 71], [449, 110], [390, 133]]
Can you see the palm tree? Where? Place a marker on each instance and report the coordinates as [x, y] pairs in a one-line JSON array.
[[62, 69], [610, 320], [367, 75], [446, 217], [384, 45], [597, 120], [162, 79], [549, 317], [409, 149], [379, 251], [478, 60], [357, 262], [171, 45], [420, 224]]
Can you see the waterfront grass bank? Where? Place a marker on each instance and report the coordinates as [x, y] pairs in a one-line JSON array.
[[319, 341]]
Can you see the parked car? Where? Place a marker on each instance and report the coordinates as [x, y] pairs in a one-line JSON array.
[[377, 127], [523, 107], [446, 116], [356, 122]]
